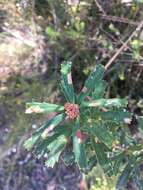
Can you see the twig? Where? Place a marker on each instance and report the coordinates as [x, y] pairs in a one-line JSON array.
[[119, 19], [124, 45], [100, 7], [119, 40]]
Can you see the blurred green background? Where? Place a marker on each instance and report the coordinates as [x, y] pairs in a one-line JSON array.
[[35, 37]]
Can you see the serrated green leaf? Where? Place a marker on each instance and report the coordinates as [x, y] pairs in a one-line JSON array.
[[55, 148], [99, 90], [102, 158], [31, 142], [42, 146], [52, 160], [107, 103], [79, 148], [79, 152], [117, 162], [36, 107], [66, 82], [115, 115], [91, 82], [37, 134], [102, 133], [52, 122]]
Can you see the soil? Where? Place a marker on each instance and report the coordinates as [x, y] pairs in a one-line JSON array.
[[22, 171]]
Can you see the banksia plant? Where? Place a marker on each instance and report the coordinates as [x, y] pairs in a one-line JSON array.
[[87, 129]]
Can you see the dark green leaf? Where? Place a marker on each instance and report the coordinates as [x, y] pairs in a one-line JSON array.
[[117, 162], [66, 82], [115, 115], [102, 134], [36, 135], [102, 158], [42, 146], [93, 80], [140, 122], [99, 90]]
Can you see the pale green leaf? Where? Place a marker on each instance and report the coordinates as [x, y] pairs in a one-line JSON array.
[[79, 148], [107, 103], [55, 148], [37, 107]]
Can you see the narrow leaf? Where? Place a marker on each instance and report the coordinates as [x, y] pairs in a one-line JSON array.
[[108, 103], [79, 148], [102, 134], [99, 90], [66, 82], [37, 134], [36, 107], [42, 146], [79, 151], [115, 115], [140, 122], [30, 142], [91, 82], [102, 158], [55, 149], [117, 162]]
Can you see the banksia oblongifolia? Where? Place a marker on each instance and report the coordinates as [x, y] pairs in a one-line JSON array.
[[95, 124], [72, 110]]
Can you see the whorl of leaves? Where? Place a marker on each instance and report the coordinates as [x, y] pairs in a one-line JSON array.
[[98, 134]]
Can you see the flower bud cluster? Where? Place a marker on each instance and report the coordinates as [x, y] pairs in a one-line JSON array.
[[72, 110]]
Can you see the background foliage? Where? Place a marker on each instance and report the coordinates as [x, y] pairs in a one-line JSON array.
[[36, 36]]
